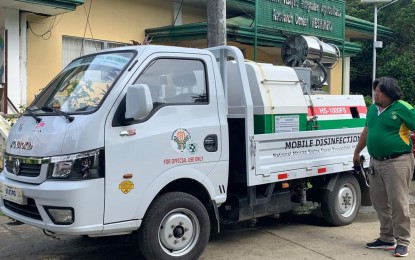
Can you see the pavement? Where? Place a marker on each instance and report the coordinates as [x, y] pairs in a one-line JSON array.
[[289, 237]]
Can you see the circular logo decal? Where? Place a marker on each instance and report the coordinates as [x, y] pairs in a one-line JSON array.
[[393, 115], [16, 166], [180, 139]]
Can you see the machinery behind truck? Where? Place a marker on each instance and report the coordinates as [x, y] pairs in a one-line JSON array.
[[175, 142]]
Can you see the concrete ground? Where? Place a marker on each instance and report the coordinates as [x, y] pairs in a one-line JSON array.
[[290, 237]]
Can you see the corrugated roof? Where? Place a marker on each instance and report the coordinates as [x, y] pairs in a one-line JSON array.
[[66, 4], [239, 29], [366, 27], [48, 7]]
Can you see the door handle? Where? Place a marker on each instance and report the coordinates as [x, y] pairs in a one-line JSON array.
[[128, 132]]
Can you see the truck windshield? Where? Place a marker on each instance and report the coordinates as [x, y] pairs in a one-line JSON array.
[[82, 85]]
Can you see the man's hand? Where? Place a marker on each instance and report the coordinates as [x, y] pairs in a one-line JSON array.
[[356, 159], [359, 147]]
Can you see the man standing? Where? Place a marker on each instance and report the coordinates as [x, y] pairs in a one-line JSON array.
[[386, 135]]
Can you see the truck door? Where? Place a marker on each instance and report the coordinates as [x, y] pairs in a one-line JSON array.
[[184, 115]]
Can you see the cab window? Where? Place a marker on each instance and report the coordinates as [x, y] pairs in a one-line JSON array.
[[175, 81]]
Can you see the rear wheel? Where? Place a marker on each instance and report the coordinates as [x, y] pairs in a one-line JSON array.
[[340, 206], [176, 226]]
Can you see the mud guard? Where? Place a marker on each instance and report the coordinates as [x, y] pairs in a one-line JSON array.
[[214, 226], [366, 201]]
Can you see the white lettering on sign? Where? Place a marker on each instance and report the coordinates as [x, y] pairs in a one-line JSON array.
[[332, 110], [302, 18], [321, 24], [309, 6], [301, 21], [336, 110], [291, 3], [330, 10], [281, 17]]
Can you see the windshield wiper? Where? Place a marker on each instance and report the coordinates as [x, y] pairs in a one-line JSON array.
[[60, 112], [30, 110]]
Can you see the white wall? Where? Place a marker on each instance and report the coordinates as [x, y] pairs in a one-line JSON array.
[[23, 59], [346, 76], [11, 24], [2, 49]]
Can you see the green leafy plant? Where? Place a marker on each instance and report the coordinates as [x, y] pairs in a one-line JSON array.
[[12, 118], [368, 100]]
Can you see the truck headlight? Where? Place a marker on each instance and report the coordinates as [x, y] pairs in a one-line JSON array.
[[86, 165]]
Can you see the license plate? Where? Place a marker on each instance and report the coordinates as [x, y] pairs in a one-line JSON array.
[[11, 193]]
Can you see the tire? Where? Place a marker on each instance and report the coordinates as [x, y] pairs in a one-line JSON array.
[[176, 226], [340, 206]]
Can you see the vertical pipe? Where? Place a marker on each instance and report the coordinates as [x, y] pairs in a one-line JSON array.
[[343, 47], [216, 22], [6, 55], [256, 30], [375, 33], [23, 58]]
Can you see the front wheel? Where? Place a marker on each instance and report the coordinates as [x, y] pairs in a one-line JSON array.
[[340, 206], [176, 226]]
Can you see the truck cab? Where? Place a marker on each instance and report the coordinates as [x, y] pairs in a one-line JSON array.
[[78, 157]]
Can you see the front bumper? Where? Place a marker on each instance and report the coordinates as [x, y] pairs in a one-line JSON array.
[[85, 197]]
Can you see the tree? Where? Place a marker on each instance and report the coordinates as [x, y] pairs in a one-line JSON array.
[[396, 59], [400, 66]]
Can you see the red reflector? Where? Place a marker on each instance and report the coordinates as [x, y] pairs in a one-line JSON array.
[[321, 170], [282, 176]]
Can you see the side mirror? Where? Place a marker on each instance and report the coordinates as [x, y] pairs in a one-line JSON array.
[[138, 103]]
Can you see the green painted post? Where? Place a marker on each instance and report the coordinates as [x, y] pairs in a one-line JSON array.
[[256, 30]]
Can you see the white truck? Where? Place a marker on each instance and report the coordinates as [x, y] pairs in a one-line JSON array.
[[174, 142]]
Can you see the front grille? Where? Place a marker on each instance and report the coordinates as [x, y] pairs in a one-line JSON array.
[[29, 210], [24, 166], [26, 169]]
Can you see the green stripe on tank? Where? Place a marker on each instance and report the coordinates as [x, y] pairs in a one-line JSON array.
[[340, 123], [265, 124]]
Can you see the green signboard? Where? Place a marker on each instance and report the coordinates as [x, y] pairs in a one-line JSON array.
[[321, 18]]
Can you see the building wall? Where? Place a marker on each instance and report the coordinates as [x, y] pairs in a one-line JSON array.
[[118, 21], [193, 15], [335, 80], [11, 24]]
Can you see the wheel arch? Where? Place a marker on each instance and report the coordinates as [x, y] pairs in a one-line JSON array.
[[189, 186], [341, 204], [365, 195], [178, 180]]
